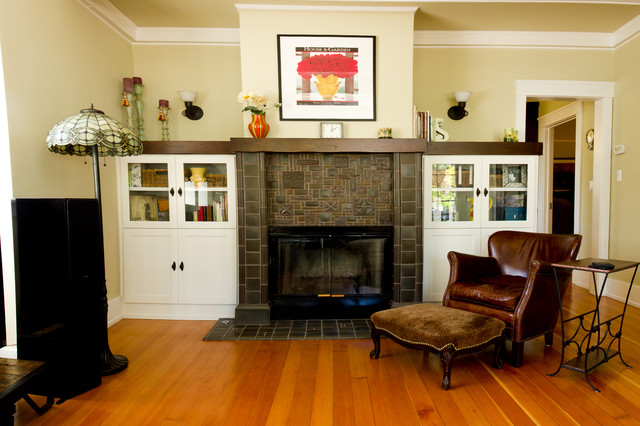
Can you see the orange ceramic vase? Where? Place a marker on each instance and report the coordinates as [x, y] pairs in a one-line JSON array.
[[258, 126]]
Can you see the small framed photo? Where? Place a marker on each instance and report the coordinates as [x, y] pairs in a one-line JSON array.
[[143, 207], [327, 77], [331, 129]]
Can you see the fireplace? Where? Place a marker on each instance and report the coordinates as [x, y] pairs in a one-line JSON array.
[[328, 190], [330, 271]]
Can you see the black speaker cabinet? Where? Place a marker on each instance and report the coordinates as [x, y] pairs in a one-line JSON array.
[[60, 277]]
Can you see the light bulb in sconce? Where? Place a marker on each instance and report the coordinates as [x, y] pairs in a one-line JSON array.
[[192, 112], [457, 112]]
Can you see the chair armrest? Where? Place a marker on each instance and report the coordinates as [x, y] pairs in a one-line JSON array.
[[539, 301], [465, 267]]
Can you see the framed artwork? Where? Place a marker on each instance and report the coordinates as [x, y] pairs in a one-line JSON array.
[[143, 207], [327, 77]]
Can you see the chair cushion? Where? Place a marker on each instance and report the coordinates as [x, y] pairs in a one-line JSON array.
[[501, 291]]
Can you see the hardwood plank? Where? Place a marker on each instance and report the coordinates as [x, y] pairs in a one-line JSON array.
[[322, 408], [175, 377]]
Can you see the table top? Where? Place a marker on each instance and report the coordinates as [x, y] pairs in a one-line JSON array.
[[583, 265], [15, 373]]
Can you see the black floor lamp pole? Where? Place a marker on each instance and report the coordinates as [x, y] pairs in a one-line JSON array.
[[111, 364]]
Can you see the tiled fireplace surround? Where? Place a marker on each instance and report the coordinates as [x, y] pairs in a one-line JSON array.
[[326, 189]]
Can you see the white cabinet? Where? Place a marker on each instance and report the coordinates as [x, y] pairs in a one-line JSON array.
[[466, 199], [179, 241]]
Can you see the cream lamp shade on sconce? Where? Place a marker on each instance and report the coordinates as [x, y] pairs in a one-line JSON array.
[[93, 133], [191, 111], [457, 112]]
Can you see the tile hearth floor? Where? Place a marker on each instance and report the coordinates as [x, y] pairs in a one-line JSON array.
[[227, 329]]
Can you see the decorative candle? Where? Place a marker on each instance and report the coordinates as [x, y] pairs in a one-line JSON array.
[[164, 103], [137, 80], [127, 83]]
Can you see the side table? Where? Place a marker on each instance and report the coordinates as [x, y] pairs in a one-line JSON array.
[[592, 355]]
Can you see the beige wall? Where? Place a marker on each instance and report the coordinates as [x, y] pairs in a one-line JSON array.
[[394, 68], [59, 58], [625, 200], [212, 71], [491, 75]]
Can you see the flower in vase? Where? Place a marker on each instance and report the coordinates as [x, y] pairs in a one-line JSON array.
[[257, 104], [325, 65]]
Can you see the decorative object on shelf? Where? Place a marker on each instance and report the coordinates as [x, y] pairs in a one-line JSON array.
[[91, 132], [163, 109], [327, 77], [192, 112], [457, 112], [258, 126], [439, 135], [197, 174], [384, 133], [257, 105], [589, 138], [127, 99], [331, 130], [509, 134], [137, 90]]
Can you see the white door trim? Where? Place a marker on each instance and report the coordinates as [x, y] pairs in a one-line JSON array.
[[601, 92], [546, 124]]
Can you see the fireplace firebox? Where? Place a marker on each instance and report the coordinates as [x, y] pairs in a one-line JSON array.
[[330, 271]]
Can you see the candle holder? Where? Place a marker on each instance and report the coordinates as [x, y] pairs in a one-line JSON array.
[[127, 99], [163, 109], [137, 90]]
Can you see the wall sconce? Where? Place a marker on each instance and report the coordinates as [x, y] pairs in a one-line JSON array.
[[192, 112], [457, 112]]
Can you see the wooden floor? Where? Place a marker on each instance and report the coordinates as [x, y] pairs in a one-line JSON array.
[[175, 377]]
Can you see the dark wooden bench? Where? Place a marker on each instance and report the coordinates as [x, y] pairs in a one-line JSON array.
[[16, 375]]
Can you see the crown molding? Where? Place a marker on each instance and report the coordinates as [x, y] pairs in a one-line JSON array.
[[117, 21], [318, 8], [110, 15], [532, 39], [167, 35]]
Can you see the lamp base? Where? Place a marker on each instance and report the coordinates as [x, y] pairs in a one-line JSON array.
[[193, 112], [112, 364]]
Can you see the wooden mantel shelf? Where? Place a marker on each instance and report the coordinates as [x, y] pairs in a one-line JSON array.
[[327, 145], [341, 145]]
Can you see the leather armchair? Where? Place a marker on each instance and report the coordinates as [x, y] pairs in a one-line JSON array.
[[515, 283]]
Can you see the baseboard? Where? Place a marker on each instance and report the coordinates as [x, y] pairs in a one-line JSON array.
[[115, 312], [178, 311], [9, 352], [617, 290]]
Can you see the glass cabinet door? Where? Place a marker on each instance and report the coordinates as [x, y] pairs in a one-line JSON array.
[[508, 192], [205, 199], [149, 192], [452, 193]]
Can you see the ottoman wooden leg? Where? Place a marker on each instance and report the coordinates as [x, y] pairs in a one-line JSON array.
[[446, 356], [375, 335]]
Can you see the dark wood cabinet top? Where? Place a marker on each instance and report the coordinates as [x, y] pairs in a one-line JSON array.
[[341, 145]]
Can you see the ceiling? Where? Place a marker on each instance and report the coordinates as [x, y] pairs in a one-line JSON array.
[[582, 16]]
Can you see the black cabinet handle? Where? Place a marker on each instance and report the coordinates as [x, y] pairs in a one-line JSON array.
[[171, 192], [485, 192], [173, 266], [182, 266], [180, 192], [477, 192]]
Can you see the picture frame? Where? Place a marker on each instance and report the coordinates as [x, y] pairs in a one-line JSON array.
[[514, 176], [143, 208], [327, 77]]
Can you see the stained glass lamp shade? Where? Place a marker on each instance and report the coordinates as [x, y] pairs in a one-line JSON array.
[[91, 132]]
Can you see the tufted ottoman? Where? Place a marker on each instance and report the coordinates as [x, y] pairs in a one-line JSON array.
[[447, 332]]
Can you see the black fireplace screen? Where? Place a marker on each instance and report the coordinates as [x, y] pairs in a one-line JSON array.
[[330, 261]]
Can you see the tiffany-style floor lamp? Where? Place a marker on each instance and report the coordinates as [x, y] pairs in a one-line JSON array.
[[93, 133]]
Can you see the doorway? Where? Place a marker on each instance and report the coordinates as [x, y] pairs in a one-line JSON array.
[[563, 179]]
